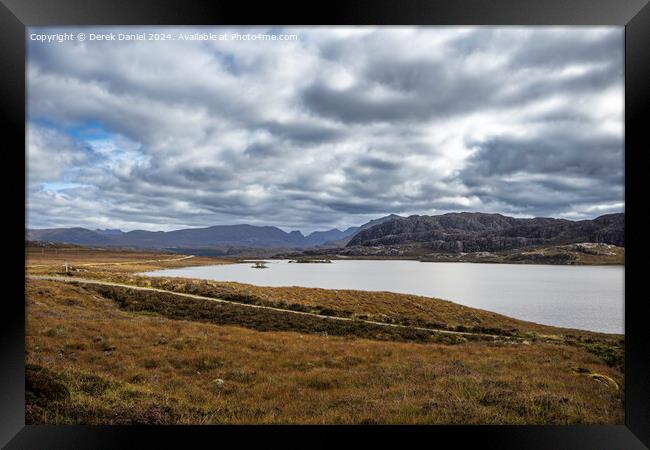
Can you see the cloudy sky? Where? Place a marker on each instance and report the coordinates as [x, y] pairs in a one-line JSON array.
[[331, 129]]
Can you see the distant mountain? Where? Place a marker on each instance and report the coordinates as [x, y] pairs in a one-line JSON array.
[[240, 236], [321, 237], [453, 232], [109, 232], [471, 232], [80, 236], [348, 234]]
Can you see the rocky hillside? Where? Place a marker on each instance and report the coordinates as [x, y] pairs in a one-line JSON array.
[[474, 232]]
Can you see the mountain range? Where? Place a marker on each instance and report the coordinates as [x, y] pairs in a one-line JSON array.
[[452, 232], [216, 236]]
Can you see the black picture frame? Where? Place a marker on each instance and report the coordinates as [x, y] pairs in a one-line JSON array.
[[16, 15]]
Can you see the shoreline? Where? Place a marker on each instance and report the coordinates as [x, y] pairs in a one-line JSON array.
[[367, 291], [184, 261], [226, 345], [407, 258]]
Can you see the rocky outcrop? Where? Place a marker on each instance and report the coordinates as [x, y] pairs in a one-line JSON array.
[[475, 232]]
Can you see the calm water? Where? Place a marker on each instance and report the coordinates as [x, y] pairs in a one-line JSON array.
[[585, 297]]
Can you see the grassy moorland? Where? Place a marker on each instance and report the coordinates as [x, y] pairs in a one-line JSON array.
[[586, 253], [106, 354], [570, 254], [84, 259]]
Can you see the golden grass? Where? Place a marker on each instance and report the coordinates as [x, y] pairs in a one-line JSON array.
[[91, 362], [571, 254], [602, 254], [386, 307], [378, 306], [123, 367], [52, 260]]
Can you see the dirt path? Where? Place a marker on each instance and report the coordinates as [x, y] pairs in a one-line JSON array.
[[247, 305]]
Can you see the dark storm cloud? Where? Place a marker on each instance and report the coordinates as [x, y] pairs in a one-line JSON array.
[[379, 164], [566, 47], [352, 106], [328, 131], [418, 91], [303, 132], [421, 89], [558, 154]]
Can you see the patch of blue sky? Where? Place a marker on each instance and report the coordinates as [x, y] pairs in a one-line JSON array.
[[89, 130], [47, 123], [110, 147], [57, 186], [104, 147], [82, 131], [117, 150]]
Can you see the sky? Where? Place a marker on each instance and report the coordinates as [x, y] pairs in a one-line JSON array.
[[321, 127]]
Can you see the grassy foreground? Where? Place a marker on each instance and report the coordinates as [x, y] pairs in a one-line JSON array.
[[107, 355]]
